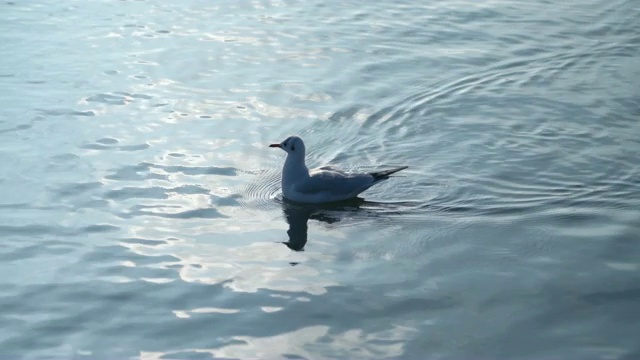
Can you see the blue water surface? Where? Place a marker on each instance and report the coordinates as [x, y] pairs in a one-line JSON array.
[[141, 214]]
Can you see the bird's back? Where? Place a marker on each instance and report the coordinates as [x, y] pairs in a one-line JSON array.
[[330, 184]]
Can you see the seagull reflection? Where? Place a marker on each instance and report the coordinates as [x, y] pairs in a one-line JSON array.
[[298, 215]]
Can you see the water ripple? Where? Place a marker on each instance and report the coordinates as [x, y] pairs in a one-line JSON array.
[[263, 193], [155, 192], [46, 230], [170, 213]]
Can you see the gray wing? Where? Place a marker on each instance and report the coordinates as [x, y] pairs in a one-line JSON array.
[[335, 182], [329, 168]]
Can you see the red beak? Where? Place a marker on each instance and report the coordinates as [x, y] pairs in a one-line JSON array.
[[274, 145]]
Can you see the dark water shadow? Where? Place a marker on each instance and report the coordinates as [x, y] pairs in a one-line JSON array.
[[298, 215]]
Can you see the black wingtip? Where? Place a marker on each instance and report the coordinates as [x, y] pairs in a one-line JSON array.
[[381, 175]]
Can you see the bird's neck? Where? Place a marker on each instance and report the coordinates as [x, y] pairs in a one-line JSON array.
[[294, 170]]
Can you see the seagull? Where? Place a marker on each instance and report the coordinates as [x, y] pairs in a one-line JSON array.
[[324, 184]]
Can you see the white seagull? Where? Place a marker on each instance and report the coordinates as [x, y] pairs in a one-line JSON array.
[[324, 184]]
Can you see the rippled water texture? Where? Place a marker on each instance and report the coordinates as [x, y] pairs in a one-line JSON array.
[[140, 209]]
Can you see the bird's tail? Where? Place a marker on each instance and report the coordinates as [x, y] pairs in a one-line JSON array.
[[381, 175]]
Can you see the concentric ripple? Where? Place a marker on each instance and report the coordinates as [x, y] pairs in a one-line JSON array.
[[263, 191]]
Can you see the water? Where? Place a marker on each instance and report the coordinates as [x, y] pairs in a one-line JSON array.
[[140, 210]]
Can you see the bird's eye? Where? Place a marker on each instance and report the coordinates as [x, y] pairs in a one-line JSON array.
[[285, 144], [293, 148]]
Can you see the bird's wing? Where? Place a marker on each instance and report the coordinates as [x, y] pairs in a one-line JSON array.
[[334, 182], [329, 168]]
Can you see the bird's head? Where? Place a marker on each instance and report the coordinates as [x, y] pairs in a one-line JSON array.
[[293, 145]]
